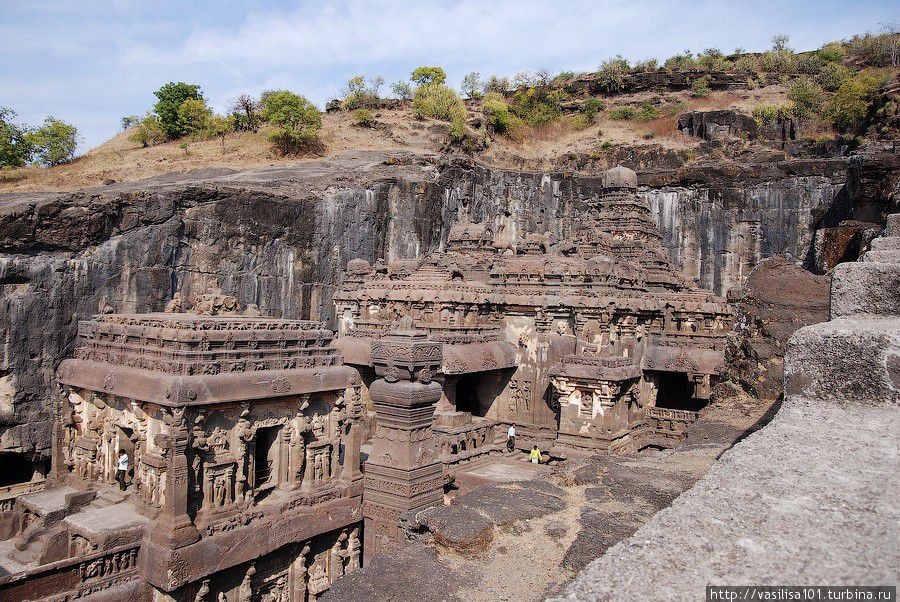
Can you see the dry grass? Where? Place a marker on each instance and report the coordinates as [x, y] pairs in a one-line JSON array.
[[120, 160]]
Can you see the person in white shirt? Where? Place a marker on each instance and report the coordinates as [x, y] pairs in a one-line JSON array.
[[511, 438], [122, 469]]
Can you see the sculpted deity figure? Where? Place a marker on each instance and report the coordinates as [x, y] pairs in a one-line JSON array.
[[354, 547], [174, 306]]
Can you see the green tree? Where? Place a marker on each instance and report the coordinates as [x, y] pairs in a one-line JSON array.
[[148, 132], [54, 142], [428, 75], [296, 121], [171, 96], [472, 85], [193, 115], [220, 126], [15, 144]]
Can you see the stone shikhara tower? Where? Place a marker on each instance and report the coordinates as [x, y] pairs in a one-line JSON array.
[[403, 471]]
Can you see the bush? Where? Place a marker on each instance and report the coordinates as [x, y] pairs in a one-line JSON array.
[[364, 118], [498, 116], [807, 97], [54, 143], [439, 101], [848, 108], [764, 115], [497, 84], [148, 132], [712, 59], [611, 77], [700, 87], [681, 62], [832, 53], [166, 108], [809, 63], [537, 106], [428, 75], [878, 50], [245, 112], [129, 121], [15, 145], [357, 94], [623, 113], [776, 62], [296, 120], [402, 90], [564, 76], [832, 75], [472, 85], [193, 115], [219, 126], [647, 112], [590, 107], [646, 65]]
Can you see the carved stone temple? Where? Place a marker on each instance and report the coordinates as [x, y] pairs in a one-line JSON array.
[[268, 457], [593, 342], [243, 436]]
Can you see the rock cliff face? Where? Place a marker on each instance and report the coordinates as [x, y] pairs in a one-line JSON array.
[[280, 238]]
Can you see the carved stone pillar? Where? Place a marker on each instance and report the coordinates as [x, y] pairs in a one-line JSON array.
[[174, 527], [403, 471]]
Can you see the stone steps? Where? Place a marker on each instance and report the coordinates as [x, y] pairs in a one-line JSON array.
[[849, 360], [870, 286]]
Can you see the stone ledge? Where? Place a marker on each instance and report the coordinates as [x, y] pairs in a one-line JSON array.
[[865, 288], [811, 485], [848, 361]]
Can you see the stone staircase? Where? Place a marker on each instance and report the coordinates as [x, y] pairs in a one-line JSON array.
[[854, 357]]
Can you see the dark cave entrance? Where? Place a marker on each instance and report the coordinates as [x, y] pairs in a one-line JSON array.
[[467, 395], [675, 391], [15, 468]]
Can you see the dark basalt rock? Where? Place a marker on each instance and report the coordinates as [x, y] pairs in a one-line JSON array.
[[280, 238]]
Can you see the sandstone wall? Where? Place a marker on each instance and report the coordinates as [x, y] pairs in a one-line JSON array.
[[280, 237]]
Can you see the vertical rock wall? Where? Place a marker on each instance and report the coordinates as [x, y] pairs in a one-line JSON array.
[[281, 238]]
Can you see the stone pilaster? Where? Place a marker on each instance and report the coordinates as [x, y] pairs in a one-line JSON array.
[[403, 471]]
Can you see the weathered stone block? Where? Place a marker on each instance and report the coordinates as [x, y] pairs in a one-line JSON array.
[[848, 360], [886, 243], [865, 288]]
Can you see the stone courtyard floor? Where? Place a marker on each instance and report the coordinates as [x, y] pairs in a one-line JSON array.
[[523, 532]]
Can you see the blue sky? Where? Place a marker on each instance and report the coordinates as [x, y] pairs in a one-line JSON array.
[[90, 62]]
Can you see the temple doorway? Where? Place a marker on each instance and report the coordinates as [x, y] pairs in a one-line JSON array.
[[266, 456], [468, 395], [124, 441], [14, 468], [675, 391]]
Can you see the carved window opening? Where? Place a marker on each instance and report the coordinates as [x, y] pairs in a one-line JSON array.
[[266, 457], [675, 391], [469, 396], [17, 468]]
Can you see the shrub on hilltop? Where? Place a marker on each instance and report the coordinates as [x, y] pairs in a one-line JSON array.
[[295, 120], [15, 146], [170, 97], [54, 143]]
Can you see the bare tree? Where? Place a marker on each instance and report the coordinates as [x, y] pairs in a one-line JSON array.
[[245, 109]]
